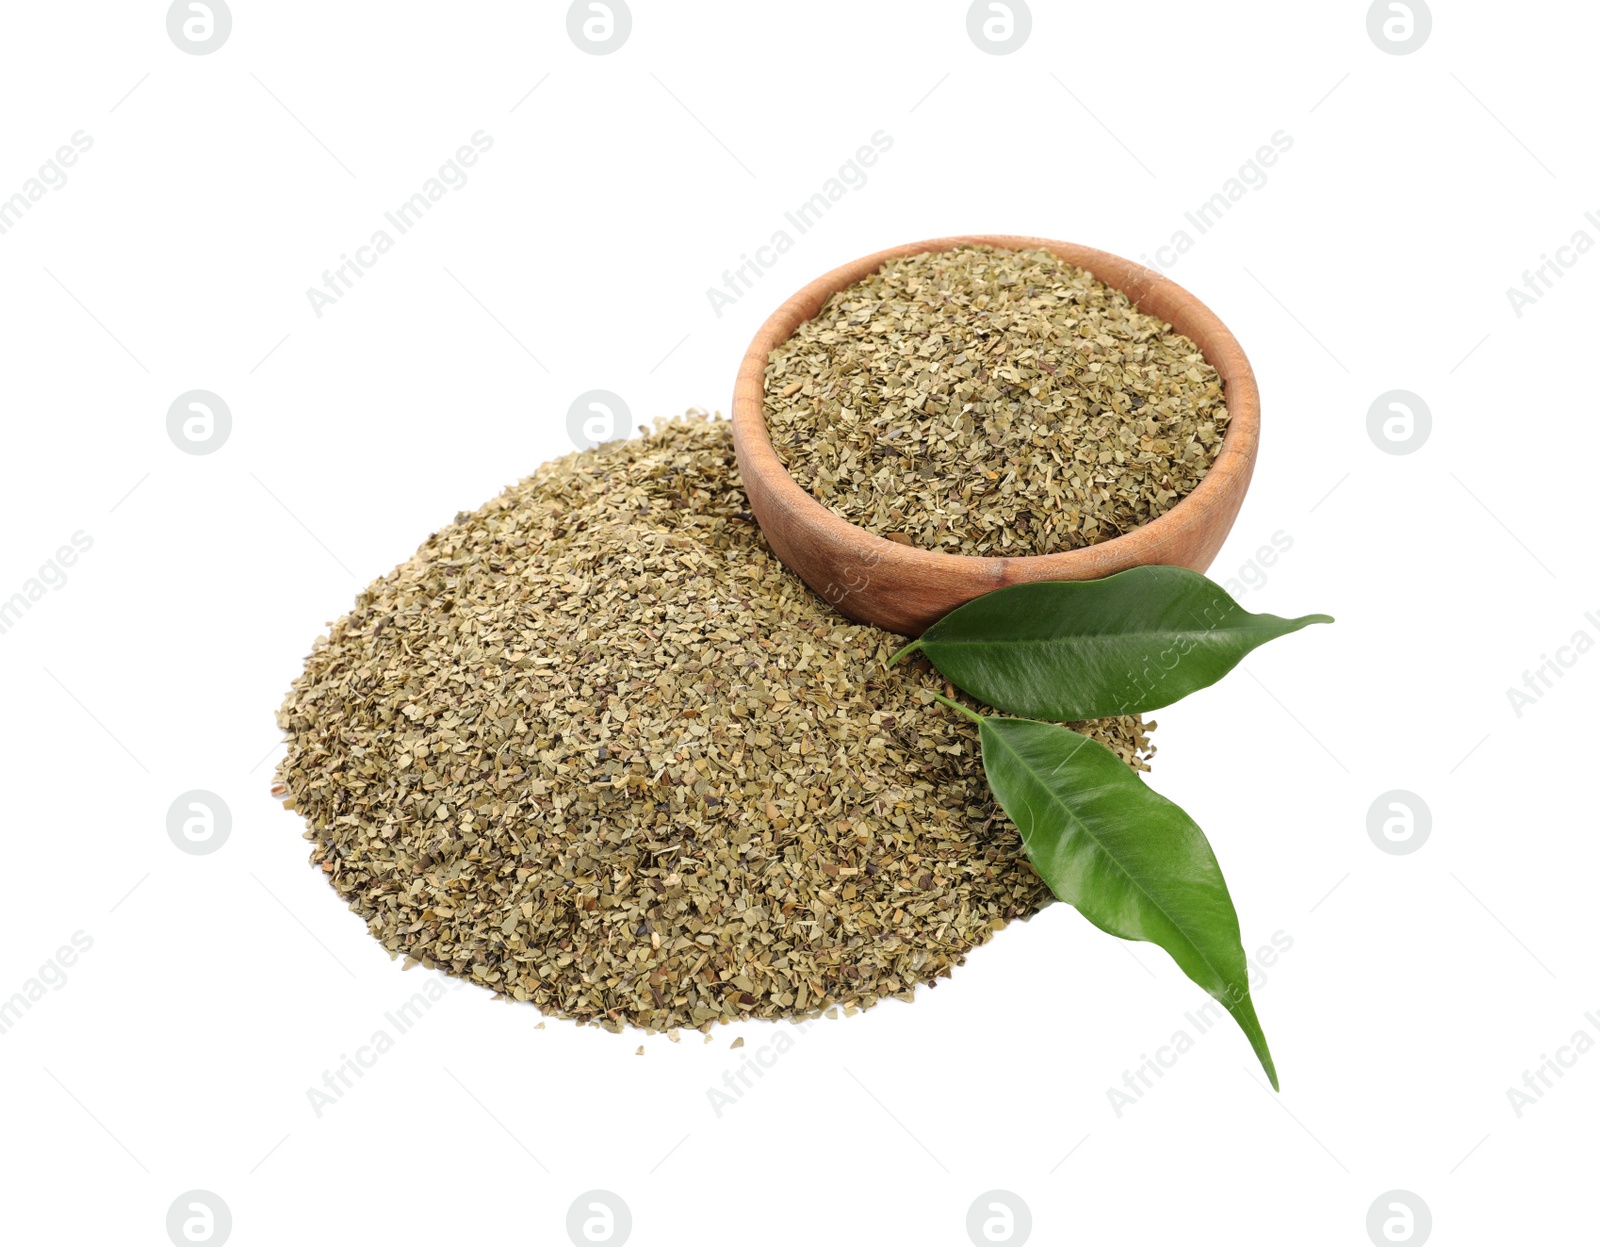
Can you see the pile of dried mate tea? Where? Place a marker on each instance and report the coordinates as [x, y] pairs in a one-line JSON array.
[[594, 747], [996, 402]]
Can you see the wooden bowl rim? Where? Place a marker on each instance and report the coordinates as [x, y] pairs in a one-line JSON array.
[[1235, 460]]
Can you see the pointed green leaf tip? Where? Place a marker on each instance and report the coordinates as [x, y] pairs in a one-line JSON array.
[[1068, 650], [1125, 857]]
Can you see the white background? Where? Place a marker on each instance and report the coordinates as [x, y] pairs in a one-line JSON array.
[[1377, 256]]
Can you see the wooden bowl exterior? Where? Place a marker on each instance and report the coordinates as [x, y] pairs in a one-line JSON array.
[[904, 589]]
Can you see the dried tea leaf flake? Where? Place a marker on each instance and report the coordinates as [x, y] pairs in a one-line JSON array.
[[596, 749], [994, 402]]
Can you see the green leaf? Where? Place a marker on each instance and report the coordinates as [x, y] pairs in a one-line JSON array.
[[1125, 857], [1084, 649]]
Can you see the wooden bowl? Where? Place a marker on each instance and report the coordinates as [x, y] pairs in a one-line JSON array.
[[904, 589]]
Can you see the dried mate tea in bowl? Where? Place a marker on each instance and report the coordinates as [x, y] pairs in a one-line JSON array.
[[595, 748], [990, 401]]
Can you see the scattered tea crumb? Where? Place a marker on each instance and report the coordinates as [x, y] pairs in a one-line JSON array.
[[988, 401], [737, 1043], [595, 748]]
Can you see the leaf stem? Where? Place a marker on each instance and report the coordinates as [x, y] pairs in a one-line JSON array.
[[955, 705], [917, 644]]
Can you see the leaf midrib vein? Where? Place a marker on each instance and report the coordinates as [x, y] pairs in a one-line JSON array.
[[1100, 637]]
